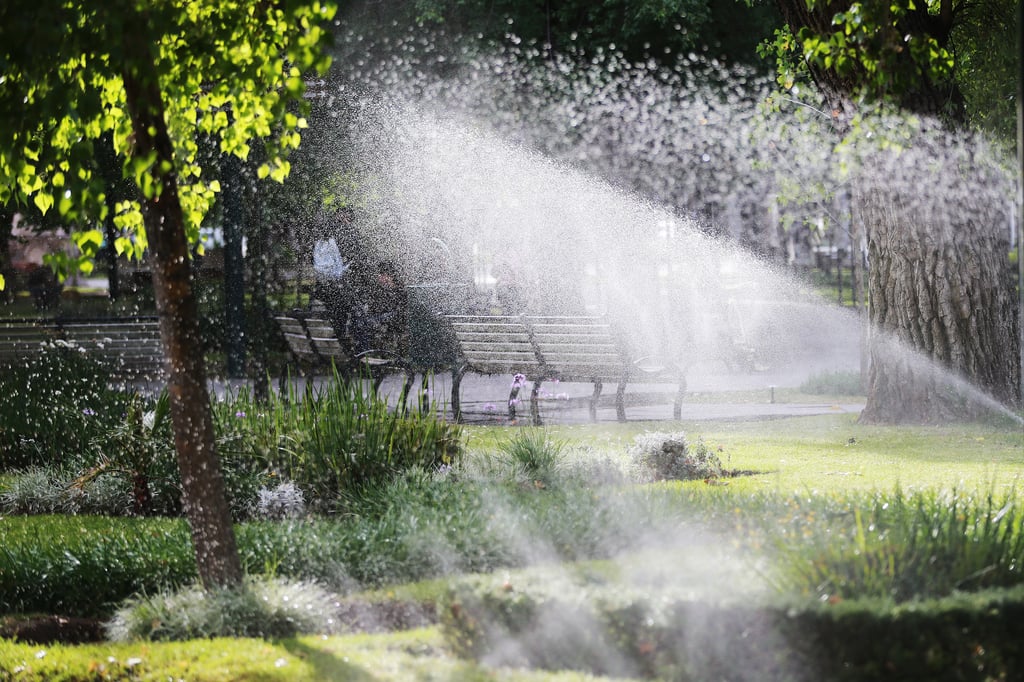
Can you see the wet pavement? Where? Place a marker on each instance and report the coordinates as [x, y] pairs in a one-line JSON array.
[[484, 400]]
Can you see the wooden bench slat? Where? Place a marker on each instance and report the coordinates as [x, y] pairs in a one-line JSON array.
[[583, 348], [128, 348]]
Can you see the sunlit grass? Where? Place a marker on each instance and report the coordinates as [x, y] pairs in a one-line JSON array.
[[826, 453], [411, 655]]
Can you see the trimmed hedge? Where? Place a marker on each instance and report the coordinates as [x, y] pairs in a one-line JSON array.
[[609, 630]]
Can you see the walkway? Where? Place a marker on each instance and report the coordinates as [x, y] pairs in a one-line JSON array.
[[484, 401]]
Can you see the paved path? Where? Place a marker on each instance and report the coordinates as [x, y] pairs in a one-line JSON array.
[[485, 398]]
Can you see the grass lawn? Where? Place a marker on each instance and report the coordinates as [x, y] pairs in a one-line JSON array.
[[827, 455], [411, 655]]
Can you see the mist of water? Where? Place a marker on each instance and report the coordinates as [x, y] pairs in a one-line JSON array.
[[674, 200]]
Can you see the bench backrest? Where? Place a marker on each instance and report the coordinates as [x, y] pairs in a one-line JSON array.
[[128, 348], [21, 339], [491, 344], [577, 348], [572, 348], [298, 340], [326, 342], [312, 340]]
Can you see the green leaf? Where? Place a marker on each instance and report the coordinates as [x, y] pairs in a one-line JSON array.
[[44, 201]]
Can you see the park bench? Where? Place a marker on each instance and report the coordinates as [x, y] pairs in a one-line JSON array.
[[316, 348], [130, 348], [543, 348]]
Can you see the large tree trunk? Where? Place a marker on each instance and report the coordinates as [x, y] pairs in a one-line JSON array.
[[942, 319], [942, 310], [202, 482]]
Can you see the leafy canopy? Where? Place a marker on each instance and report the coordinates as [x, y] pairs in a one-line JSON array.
[[230, 71]]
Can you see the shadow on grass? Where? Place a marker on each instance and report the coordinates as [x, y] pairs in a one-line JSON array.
[[328, 666]]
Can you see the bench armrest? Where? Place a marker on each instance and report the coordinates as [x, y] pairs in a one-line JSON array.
[[653, 364]]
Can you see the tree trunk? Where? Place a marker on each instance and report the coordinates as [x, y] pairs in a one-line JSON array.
[[942, 319], [6, 266], [107, 159], [942, 313], [202, 482]]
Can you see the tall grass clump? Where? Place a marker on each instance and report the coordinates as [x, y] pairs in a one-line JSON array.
[[901, 547], [259, 607], [333, 439], [52, 407], [669, 456], [533, 454]]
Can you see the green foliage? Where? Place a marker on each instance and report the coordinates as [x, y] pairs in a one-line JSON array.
[[870, 42], [229, 72], [534, 453], [574, 622], [668, 456], [259, 607], [987, 65], [333, 439], [790, 67], [903, 547], [833, 383], [53, 406]]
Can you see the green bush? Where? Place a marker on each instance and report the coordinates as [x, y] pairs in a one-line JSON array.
[[560, 623], [83, 565], [53, 406], [668, 456], [418, 525], [259, 607], [833, 383]]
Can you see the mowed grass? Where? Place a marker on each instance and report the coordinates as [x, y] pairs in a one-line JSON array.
[[829, 453], [411, 655]]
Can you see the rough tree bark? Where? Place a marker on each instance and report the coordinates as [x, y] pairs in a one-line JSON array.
[[202, 481], [937, 277], [941, 307]]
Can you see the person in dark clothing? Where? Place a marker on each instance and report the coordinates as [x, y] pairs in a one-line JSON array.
[[381, 322]]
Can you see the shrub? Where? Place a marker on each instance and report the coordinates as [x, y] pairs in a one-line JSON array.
[[833, 383], [81, 565], [333, 439], [611, 629], [284, 501], [668, 456], [259, 607], [140, 450], [49, 490]]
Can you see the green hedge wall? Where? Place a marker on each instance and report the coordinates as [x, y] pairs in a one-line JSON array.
[[605, 629]]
